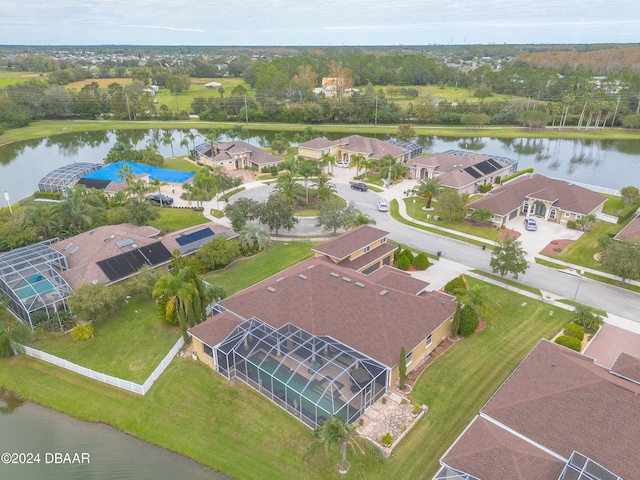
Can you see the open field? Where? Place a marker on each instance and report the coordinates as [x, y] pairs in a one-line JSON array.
[[437, 94], [11, 78], [103, 82], [198, 89]]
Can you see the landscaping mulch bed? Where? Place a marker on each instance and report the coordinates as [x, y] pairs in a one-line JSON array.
[[551, 249], [413, 375]]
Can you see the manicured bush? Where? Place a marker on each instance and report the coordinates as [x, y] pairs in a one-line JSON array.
[[468, 321], [571, 224], [409, 254], [569, 342], [575, 331], [82, 332], [627, 212], [402, 368], [396, 253], [48, 195], [421, 262], [497, 180], [455, 324], [387, 439], [404, 263], [517, 174], [485, 188], [456, 285]]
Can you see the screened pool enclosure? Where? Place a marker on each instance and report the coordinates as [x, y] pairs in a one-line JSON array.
[[312, 377]]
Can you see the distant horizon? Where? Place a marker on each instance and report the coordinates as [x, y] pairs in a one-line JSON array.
[[332, 23]]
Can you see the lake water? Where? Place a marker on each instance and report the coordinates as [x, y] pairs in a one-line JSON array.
[[108, 453], [607, 163]]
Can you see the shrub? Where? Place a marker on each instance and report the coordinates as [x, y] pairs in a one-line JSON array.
[[468, 321], [402, 369], [421, 262], [404, 263], [455, 324], [396, 253], [569, 342], [407, 253], [517, 174], [627, 212], [48, 195], [456, 285], [497, 180], [485, 188], [571, 224], [575, 331], [82, 332], [387, 439]]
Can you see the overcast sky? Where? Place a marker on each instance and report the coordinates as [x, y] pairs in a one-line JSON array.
[[318, 22]]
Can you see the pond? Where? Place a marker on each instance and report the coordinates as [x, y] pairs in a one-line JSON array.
[[103, 452], [607, 163]]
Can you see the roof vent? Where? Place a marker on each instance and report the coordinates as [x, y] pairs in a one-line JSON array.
[[346, 279], [358, 284], [74, 250], [112, 236], [280, 279], [310, 267], [334, 274], [304, 277], [68, 246], [383, 293], [91, 232], [134, 245], [271, 289]]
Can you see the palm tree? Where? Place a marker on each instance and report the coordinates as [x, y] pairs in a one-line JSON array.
[[477, 297], [429, 188], [213, 136], [335, 431], [253, 236], [587, 220], [358, 218], [290, 189], [324, 188], [328, 160], [236, 132], [191, 136], [185, 143], [306, 169], [125, 173], [356, 161], [79, 209], [185, 296], [156, 183], [585, 316]]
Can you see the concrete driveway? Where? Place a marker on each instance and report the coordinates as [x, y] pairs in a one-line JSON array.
[[534, 242]]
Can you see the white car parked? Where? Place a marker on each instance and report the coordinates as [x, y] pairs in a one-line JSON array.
[[342, 164], [383, 206]]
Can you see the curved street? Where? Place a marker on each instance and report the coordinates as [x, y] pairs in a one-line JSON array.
[[460, 256]]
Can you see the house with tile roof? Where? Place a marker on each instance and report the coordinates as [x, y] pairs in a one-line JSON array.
[[462, 171], [550, 199], [345, 148], [559, 416], [234, 155], [338, 329], [631, 231]]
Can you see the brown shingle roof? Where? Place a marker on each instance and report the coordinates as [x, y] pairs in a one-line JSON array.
[[352, 312], [216, 329], [489, 452], [609, 342], [627, 366], [566, 196], [350, 242], [392, 277], [319, 143], [369, 257], [631, 231], [369, 147], [170, 240], [560, 399]]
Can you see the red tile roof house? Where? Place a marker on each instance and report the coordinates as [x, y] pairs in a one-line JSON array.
[[551, 199], [557, 415], [463, 173], [344, 148], [327, 326], [235, 155]]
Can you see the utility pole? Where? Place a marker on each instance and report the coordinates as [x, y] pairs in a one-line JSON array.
[[616, 111], [126, 97], [246, 111], [376, 117], [176, 94]]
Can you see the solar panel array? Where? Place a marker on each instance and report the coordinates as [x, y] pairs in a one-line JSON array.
[[473, 172], [92, 183], [195, 236], [126, 264]]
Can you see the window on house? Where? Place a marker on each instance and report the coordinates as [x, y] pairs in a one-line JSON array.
[[409, 358], [567, 214], [366, 249], [578, 217], [384, 240], [429, 340], [207, 349]]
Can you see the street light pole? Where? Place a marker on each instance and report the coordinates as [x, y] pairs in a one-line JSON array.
[[6, 197], [414, 210], [579, 280]]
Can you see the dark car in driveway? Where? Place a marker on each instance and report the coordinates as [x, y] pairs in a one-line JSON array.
[[155, 198], [359, 186]]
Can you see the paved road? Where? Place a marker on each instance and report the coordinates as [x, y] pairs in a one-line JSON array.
[[558, 283]]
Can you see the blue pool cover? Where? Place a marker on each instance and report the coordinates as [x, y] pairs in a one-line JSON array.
[[110, 173]]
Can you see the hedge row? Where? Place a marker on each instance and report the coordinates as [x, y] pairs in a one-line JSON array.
[[48, 195], [517, 174]]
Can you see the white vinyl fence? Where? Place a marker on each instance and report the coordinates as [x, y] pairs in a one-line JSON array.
[[108, 379]]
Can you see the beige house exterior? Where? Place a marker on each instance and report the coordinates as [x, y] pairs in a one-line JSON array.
[[344, 149]]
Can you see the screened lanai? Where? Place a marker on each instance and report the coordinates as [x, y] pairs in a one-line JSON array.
[[312, 377], [58, 180], [30, 282]]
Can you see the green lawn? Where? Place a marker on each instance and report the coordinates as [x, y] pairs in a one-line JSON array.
[[613, 205], [198, 89], [179, 163], [581, 251], [129, 346], [489, 232], [172, 219], [459, 382], [11, 78], [246, 272]]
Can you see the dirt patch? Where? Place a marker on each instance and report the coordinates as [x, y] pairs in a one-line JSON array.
[[480, 325], [506, 232], [413, 375], [555, 247]]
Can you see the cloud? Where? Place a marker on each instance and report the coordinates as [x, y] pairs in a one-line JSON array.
[[159, 27]]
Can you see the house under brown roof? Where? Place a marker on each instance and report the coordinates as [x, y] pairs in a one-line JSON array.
[[558, 401], [631, 232], [327, 299], [369, 147], [350, 242], [627, 366], [563, 195]]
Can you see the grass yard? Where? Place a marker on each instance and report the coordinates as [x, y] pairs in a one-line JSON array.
[[179, 163], [460, 381], [198, 89], [490, 233], [129, 346], [613, 205], [11, 78], [172, 219], [246, 272], [581, 251], [102, 82]]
